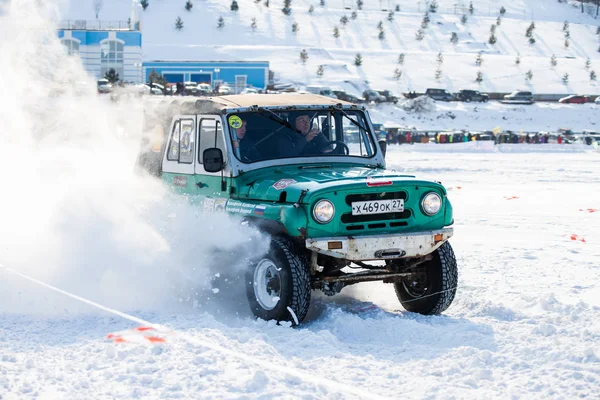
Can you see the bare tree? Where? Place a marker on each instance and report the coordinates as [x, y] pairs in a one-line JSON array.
[[97, 4]]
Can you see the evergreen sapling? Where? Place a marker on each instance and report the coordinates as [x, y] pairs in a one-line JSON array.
[[358, 60], [303, 56], [178, 23]]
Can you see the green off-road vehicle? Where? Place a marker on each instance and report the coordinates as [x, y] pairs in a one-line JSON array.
[[309, 171]]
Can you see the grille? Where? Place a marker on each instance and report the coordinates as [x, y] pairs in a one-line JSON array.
[[348, 218]]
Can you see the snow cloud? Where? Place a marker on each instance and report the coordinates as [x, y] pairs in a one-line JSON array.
[[72, 211]]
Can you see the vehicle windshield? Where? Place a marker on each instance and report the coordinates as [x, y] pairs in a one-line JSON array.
[[273, 134]]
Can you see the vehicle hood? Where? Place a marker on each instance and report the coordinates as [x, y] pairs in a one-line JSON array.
[[269, 184]]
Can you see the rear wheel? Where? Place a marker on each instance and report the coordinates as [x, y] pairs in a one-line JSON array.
[[432, 288], [278, 284]]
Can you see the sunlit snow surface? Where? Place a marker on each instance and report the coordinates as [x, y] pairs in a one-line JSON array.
[[524, 322]]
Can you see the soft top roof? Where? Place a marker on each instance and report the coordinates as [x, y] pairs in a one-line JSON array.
[[220, 104], [266, 100]]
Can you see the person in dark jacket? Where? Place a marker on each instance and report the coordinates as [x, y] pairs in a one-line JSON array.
[[246, 146], [307, 141]]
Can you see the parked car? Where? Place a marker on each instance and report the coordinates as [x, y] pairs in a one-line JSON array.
[[225, 90], [203, 89], [190, 88], [319, 89], [157, 89], [389, 96], [575, 99], [373, 95], [471, 95], [104, 86], [518, 96], [439, 94], [249, 91], [343, 95], [322, 210]]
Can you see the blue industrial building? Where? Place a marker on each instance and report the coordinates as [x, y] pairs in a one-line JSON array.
[[239, 74]]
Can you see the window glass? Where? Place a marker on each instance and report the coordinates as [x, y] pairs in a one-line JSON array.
[[186, 144], [173, 149], [72, 46], [111, 57], [266, 135], [211, 135]]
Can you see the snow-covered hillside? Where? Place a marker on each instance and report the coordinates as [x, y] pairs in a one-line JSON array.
[[274, 40]]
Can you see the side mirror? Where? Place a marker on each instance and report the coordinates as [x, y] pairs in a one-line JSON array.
[[213, 160], [383, 146]]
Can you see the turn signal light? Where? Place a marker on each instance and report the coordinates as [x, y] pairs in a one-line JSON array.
[[438, 238], [334, 245]]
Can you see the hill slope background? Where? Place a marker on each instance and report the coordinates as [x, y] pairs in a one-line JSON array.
[[273, 40]]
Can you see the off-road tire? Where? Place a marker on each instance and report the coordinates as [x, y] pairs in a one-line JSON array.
[[295, 283], [442, 275]]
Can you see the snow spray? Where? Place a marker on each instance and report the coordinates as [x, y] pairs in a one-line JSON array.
[[73, 212]]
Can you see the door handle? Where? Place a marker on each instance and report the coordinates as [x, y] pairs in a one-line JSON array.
[[201, 185]]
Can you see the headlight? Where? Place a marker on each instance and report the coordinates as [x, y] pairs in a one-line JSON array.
[[323, 211], [431, 203]]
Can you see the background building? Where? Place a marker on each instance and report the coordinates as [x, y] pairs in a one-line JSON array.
[[105, 45], [239, 75]]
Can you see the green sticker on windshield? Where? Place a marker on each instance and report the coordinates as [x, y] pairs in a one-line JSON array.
[[235, 122]]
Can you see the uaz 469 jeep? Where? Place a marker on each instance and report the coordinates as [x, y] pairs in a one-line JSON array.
[[308, 170]]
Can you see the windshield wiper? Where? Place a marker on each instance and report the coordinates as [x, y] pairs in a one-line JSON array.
[[352, 120]]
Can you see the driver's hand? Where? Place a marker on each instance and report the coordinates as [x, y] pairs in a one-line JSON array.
[[311, 135], [236, 144]]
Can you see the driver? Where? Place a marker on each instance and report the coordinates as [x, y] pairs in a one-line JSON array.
[[309, 141]]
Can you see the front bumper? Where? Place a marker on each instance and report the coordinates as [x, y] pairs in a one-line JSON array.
[[380, 247]]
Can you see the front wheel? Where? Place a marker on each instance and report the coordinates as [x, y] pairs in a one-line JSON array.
[[432, 288], [278, 284]]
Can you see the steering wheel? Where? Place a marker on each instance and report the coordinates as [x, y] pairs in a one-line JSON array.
[[339, 145]]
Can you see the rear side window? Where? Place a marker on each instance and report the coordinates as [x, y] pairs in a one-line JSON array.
[[181, 143], [173, 154]]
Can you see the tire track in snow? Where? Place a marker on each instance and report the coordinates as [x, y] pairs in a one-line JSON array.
[[298, 373]]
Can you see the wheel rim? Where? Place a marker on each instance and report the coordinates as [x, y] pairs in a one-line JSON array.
[[267, 284], [417, 285]]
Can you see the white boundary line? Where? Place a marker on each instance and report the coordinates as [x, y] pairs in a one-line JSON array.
[[298, 373]]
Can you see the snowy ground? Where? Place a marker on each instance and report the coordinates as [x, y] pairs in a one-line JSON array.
[[524, 323]]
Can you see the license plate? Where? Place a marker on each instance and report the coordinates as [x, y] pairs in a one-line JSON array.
[[377, 207]]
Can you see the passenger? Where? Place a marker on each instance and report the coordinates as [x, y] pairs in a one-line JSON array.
[[308, 141], [247, 147]]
